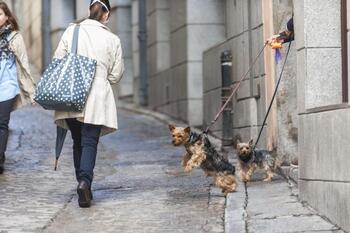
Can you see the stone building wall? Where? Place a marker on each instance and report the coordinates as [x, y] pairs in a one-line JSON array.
[[178, 33], [324, 177], [28, 14]]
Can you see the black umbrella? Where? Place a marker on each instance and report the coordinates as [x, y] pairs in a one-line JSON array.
[[60, 137]]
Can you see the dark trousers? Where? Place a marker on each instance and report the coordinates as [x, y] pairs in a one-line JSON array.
[[85, 139], [5, 112]]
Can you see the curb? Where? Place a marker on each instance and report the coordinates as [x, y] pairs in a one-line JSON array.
[[292, 172]]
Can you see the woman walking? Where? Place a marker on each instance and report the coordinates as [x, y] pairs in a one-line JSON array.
[[99, 116], [16, 84]]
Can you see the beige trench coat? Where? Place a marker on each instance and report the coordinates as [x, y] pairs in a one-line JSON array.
[[97, 42], [25, 80]]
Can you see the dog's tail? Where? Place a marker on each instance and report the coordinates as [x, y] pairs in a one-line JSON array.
[[279, 160], [280, 172]]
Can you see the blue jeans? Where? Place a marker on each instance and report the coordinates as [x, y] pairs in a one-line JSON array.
[[85, 139]]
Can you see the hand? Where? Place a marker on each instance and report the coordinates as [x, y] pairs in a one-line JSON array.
[[272, 39]]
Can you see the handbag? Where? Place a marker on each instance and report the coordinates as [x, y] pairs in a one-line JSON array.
[[66, 83]]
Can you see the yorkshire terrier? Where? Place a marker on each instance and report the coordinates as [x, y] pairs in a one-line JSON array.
[[200, 153], [250, 159]]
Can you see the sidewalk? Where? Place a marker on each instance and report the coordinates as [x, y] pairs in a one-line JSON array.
[[272, 207]]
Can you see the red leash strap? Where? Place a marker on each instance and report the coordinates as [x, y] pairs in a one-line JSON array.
[[236, 86]]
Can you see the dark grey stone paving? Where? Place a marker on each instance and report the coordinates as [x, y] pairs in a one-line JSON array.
[[139, 185]]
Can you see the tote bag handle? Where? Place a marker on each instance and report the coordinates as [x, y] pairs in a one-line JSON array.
[[74, 48]]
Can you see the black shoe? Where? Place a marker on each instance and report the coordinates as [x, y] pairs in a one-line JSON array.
[[2, 162], [91, 196], [4, 134], [84, 194]]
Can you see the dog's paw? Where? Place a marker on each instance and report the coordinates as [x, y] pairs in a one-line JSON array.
[[243, 179], [188, 168], [267, 179], [227, 191]]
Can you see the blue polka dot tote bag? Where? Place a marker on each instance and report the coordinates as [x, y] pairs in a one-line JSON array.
[[66, 83]]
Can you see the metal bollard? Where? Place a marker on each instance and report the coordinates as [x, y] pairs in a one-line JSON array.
[[143, 91], [226, 72]]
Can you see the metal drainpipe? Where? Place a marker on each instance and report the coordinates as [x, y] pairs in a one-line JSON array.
[[143, 52], [226, 72], [46, 32], [13, 5], [250, 45]]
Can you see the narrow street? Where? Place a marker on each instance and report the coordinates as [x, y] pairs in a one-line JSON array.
[[139, 185], [274, 72]]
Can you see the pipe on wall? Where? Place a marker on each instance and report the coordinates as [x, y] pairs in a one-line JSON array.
[[46, 32], [143, 52]]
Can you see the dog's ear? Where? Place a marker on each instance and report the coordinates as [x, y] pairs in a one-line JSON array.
[[251, 142], [188, 130], [171, 127], [237, 144]]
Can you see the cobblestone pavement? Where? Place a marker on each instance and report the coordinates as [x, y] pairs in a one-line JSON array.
[[139, 185], [272, 208]]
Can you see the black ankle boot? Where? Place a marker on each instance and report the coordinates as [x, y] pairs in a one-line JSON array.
[[3, 144], [84, 194], [2, 162]]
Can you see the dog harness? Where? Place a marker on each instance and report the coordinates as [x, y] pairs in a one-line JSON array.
[[194, 137]]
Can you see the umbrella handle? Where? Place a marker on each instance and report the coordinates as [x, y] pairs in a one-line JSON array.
[[56, 164]]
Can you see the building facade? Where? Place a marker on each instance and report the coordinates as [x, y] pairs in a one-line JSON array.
[[185, 42], [61, 14], [28, 14], [323, 106], [310, 117]]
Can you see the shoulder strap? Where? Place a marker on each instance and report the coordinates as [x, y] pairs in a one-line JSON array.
[[75, 39]]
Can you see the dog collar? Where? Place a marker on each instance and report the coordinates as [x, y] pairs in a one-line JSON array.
[[249, 158]]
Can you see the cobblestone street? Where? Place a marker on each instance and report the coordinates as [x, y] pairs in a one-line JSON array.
[[272, 73], [139, 185]]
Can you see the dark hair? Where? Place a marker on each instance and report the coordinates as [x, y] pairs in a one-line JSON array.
[[290, 25], [11, 18], [97, 9]]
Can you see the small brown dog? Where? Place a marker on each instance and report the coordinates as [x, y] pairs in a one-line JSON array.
[[200, 153], [194, 155], [250, 159]]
